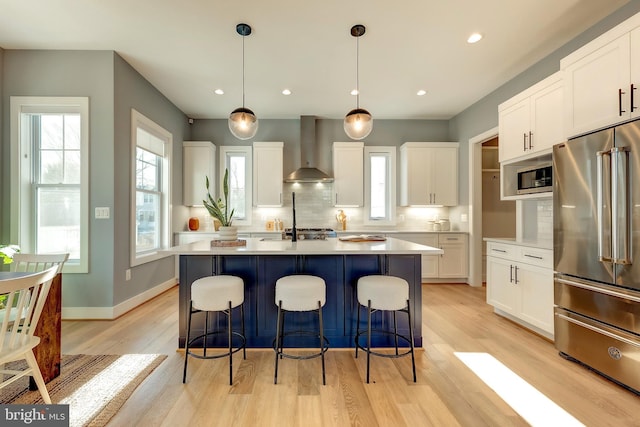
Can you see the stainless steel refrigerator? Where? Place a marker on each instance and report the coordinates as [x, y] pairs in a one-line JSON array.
[[596, 242]]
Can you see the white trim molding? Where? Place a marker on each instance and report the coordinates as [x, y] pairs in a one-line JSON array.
[[110, 313]]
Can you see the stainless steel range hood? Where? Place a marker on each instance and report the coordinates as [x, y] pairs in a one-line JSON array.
[[308, 172]]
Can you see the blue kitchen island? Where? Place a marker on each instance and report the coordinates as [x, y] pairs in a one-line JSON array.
[[261, 262]]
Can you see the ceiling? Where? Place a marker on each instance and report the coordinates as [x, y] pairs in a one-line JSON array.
[[188, 49]]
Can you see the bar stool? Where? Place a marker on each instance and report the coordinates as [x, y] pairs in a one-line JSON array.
[[298, 293], [216, 293], [384, 293]]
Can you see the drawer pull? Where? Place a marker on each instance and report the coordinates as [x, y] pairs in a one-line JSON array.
[[533, 256], [598, 289], [499, 250], [598, 330]]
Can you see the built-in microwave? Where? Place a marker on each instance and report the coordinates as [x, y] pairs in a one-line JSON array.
[[535, 179]]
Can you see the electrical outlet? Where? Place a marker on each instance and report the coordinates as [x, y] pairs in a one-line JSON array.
[[127, 274], [464, 218]]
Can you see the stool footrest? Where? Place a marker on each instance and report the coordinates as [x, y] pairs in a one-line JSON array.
[[281, 353], [381, 331], [226, 354]]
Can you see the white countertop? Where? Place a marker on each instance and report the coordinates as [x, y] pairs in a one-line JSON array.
[[332, 246], [531, 243], [340, 232]]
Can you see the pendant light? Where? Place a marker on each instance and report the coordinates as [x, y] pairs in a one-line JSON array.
[[358, 123], [243, 123]]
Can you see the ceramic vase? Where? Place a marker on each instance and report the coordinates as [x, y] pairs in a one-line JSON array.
[[228, 233]]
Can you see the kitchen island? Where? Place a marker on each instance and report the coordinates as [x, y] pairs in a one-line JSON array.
[[261, 262]]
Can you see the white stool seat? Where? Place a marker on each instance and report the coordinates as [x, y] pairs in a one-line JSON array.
[[300, 292], [213, 293], [385, 292]]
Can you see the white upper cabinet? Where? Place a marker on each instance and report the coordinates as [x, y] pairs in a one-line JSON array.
[[198, 162], [531, 122], [348, 173], [267, 173], [429, 173], [601, 80]]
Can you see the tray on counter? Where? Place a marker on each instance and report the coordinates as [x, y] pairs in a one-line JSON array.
[[363, 238], [228, 243]]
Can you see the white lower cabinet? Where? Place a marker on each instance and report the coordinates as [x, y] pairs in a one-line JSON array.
[[520, 284], [452, 264]]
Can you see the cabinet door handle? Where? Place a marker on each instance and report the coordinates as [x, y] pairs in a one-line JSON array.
[[524, 141], [515, 276], [632, 89], [434, 198], [530, 140], [510, 273], [533, 256], [620, 110]]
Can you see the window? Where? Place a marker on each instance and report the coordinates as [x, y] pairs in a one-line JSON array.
[[239, 162], [380, 185], [49, 177], [151, 145]]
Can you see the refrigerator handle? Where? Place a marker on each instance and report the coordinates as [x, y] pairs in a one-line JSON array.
[[620, 205], [599, 201]]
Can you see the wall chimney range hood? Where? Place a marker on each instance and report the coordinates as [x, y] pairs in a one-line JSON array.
[[308, 172]]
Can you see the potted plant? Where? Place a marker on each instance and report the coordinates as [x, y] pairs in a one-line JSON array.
[[219, 209], [7, 252]]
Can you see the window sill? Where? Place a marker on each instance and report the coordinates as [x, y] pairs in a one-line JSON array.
[[146, 258]]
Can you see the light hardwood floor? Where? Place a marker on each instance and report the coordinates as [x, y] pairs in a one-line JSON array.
[[455, 318]]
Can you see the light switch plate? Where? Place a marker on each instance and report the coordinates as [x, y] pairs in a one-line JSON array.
[[102, 213]]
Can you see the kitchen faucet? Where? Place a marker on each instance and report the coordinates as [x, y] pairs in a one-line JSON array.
[[294, 236]]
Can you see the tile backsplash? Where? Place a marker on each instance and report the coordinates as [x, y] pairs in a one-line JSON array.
[[545, 219], [314, 208]]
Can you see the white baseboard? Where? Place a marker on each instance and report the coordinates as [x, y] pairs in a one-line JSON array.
[[110, 313]]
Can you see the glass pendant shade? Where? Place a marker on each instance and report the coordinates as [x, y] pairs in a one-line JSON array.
[[358, 124], [243, 123]]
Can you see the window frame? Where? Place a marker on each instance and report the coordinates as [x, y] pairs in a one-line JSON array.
[[247, 153], [138, 120], [390, 153], [23, 232]]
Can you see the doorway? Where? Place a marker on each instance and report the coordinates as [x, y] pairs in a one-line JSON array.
[[494, 209]]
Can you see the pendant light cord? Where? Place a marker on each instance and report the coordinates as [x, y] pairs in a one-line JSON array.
[[243, 37], [358, 72]]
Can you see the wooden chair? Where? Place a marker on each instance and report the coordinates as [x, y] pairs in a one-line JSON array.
[[25, 299], [37, 262]]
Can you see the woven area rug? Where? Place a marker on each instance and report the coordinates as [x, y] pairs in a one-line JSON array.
[[94, 386]]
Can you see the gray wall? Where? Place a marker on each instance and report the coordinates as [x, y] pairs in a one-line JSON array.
[[113, 88], [133, 91], [73, 73]]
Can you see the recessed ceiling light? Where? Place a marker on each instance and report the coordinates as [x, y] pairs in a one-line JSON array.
[[354, 92], [219, 92], [286, 92], [421, 92], [474, 38]]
